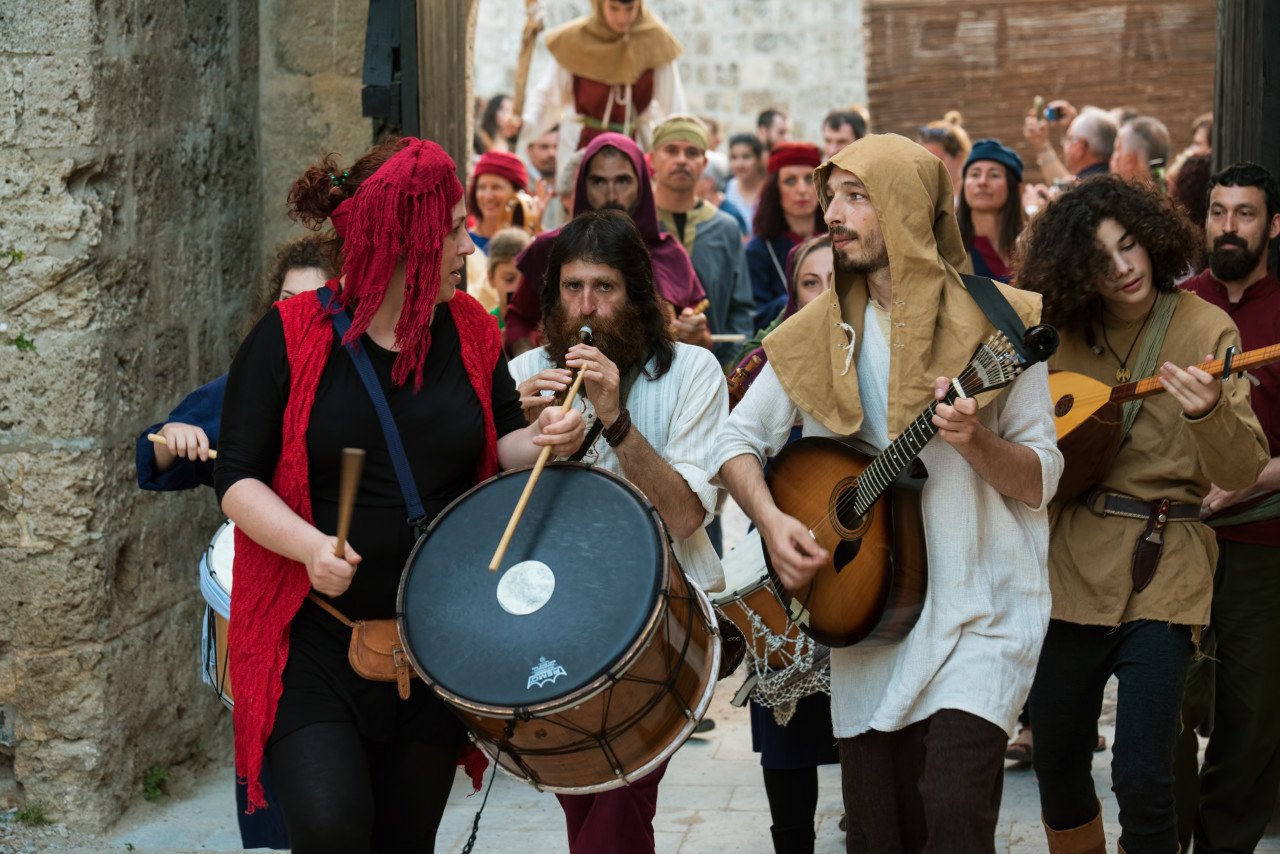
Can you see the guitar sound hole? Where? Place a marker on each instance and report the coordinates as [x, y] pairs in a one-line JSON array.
[[845, 513], [1064, 405]]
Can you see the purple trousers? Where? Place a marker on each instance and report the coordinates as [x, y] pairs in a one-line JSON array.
[[619, 821]]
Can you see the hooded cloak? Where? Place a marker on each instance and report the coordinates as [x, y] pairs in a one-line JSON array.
[[588, 47], [673, 276], [936, 325]]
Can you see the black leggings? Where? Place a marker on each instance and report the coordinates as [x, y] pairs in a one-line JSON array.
[[1149, 658], [343, 794], [793, 798]]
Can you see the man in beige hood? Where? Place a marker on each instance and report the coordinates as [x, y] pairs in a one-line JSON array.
[[922, 723]]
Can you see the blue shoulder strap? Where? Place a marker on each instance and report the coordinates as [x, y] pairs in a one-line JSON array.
[[399, 460]]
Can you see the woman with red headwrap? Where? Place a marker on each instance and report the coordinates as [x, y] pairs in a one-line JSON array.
[[786, 214], [356, 767], [498, 178]]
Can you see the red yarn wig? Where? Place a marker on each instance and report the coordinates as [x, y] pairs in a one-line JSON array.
[[404, 210]]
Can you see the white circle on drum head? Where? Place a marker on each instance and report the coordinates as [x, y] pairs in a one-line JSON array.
[[526, 587]]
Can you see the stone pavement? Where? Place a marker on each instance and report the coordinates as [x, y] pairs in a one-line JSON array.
[[711, 802]]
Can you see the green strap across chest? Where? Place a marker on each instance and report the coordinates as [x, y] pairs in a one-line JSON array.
[[1161, 314]]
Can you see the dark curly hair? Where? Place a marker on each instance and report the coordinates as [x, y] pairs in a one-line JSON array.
[[325, 185], [610, 238], [1062, 259], [301, 253], [1190, 187]]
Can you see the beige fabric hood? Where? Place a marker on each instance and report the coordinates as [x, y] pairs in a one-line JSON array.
[[936, 325]]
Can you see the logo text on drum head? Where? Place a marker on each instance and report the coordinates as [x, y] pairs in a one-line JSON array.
[[545, 671]]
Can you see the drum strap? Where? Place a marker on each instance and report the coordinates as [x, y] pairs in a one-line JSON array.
[[399, 460]]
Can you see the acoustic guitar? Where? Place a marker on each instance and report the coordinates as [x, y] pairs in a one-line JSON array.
[[1087, 416], [865, 511]]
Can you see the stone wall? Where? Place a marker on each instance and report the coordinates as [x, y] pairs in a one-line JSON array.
[[129, 214], [311, 59], [741, 56]]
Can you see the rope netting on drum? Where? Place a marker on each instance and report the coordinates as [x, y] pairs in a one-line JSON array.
[[807, 669]]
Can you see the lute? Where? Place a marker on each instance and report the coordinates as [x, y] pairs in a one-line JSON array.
[[1087, 415], [865, 511]]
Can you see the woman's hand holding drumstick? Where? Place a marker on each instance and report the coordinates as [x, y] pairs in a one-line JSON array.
[[348, 486], [334, 562], [585, 335]]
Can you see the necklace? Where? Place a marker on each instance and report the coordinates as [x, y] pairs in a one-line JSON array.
[[1123, 374]]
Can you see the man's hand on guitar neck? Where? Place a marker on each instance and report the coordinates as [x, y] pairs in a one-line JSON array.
[[1012, 469]]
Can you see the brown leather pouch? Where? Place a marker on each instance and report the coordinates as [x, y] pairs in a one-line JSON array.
[[1146, 554], [376, 651]]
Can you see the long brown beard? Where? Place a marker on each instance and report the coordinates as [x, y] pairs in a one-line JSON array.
[[620, 337]]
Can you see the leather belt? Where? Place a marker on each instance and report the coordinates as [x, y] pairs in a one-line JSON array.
[[1157, 514], [1115, 504]]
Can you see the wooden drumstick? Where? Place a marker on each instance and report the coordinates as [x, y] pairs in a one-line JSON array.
[[157, 439], [585, 334], [348, 485], [701, 307]]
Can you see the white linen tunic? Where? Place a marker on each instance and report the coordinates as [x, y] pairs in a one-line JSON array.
[[986, 611], [679, 414]]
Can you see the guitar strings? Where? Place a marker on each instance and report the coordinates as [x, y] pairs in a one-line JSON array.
[[843, 503]]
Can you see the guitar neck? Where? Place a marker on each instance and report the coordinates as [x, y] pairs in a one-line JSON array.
[[886, 467], [1241, 362]]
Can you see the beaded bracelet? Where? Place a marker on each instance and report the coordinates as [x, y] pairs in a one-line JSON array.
[[616, 432]]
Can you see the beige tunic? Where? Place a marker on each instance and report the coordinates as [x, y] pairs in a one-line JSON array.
[[1165, 455]]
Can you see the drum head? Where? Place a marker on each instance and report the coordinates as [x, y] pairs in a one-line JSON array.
[[606, 553], [744, 569], [215, 569]]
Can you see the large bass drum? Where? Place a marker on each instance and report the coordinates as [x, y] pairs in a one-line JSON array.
[[589, 657]]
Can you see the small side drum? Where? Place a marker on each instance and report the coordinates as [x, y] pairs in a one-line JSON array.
[[215, 585], [749, 603], [589, 657]]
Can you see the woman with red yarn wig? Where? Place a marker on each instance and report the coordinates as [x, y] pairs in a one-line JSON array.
[[358, 769]]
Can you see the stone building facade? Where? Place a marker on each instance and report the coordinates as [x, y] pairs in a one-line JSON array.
[[129, 213], [311, 58], [741, 56]]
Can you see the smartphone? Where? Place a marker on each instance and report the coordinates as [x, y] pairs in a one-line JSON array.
[[1038, 106], [1052, 114]]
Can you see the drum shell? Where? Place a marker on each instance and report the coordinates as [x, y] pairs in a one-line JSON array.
[[745, 567], [642, 707], [758, 599], [647, 722]]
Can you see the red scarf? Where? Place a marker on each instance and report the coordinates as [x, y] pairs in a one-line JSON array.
[[269, 588]]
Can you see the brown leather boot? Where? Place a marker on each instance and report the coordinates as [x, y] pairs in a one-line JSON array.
[[1085, 839]]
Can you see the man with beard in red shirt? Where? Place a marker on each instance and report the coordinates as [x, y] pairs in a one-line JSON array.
[[1228, 802]]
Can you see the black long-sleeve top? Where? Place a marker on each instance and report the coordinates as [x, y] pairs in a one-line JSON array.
[[441, 427]]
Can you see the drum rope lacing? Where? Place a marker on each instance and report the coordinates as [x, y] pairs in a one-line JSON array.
[[609, 728], [779, 689]]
